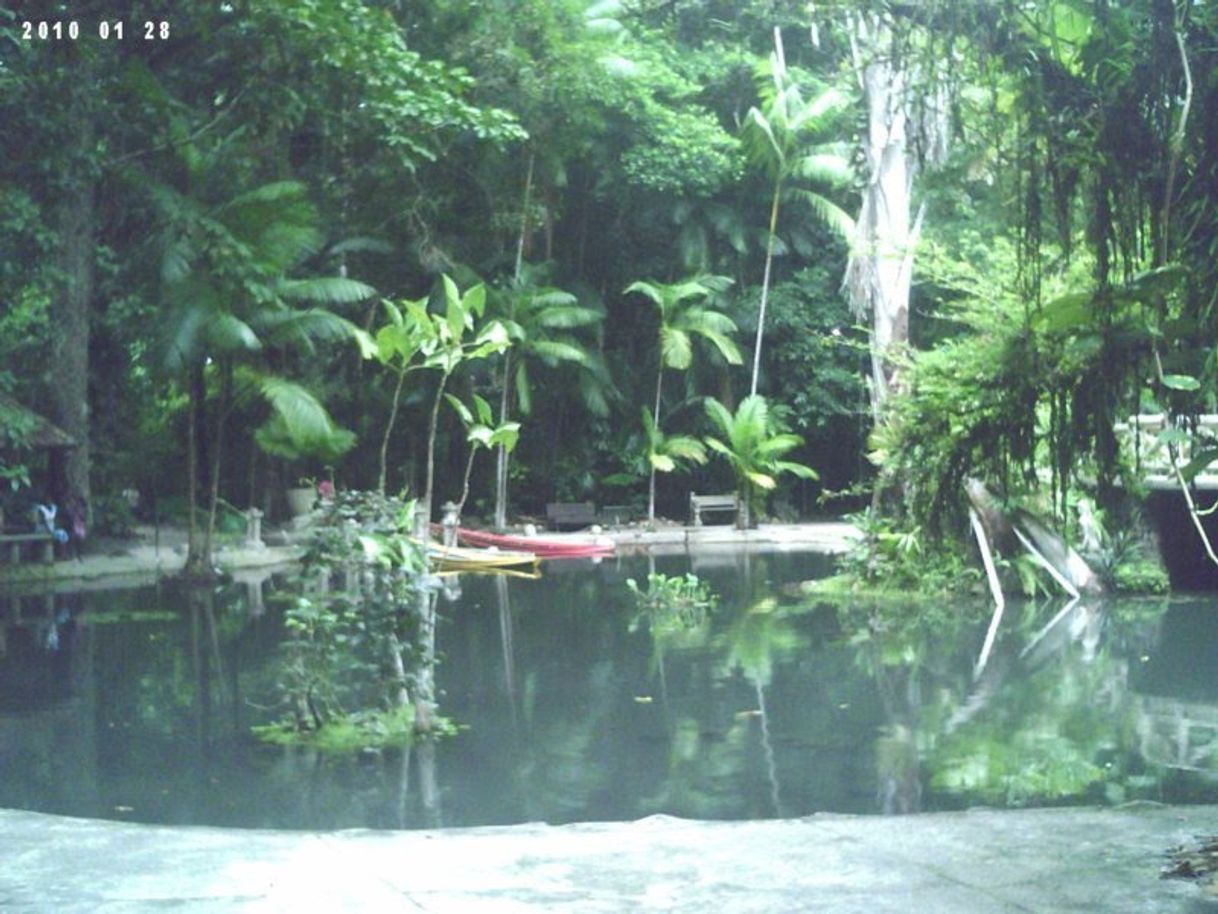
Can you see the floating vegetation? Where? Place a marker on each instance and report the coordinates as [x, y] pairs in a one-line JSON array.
[[683, 601]]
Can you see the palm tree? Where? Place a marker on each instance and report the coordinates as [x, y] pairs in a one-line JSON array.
[[682, 318], [754, 447], [232, 313], [542, 322], [664, 452], [781, 137]]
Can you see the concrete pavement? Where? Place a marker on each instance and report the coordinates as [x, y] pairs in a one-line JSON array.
[[977, 862]]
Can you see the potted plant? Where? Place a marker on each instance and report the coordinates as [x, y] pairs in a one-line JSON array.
[[302, 497]]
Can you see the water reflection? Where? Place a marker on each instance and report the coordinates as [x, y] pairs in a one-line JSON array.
[[575, 708]]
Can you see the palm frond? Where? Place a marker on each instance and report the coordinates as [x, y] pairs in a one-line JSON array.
[[300, 425], [325, 289], [684, 447], [554, 351], [360, 244], [567, 317], [825, 168], [827, 212], [227, 333], [272, 192], [302, 328], [725, 345], [646, 289]]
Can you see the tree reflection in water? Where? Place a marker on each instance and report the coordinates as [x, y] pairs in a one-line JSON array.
[[774, 703]]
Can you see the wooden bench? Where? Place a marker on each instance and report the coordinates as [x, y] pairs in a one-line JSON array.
[[14, 541], [561, 514], [614, 515], [699, 503]]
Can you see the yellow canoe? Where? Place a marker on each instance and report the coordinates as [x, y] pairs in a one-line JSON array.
[[463, 558]]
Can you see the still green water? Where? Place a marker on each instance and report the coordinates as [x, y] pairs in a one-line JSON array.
[[137, 705]]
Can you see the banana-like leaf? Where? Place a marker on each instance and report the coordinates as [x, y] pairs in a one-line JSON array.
[[467, 418], [676, 351], [473, 303], [1181, 382], [392, 312], [483, 410], [505, 436]]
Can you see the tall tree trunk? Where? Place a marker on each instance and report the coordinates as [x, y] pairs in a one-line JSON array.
[[213, 490], [469, 468], [198, 543], [393, 417], [69, 318], [765, 283], [651, 487], [501, 456], [878, 275], [432, 423], [192, 476]]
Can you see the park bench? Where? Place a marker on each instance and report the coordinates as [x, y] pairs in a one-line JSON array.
[[12, 542], [614, 515], [699, 503], [561, 514]]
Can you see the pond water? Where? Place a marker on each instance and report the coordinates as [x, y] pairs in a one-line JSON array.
[[136, 704]]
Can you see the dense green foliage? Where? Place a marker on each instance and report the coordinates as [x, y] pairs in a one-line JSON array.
[[190, 225]]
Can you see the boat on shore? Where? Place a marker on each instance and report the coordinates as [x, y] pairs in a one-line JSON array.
[[542, 548], [458, 558]]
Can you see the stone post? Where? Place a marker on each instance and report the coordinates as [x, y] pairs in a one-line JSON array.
[[253, 529], [448, 523]]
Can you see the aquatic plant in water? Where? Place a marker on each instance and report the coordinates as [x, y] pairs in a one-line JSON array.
[[673, 601], [358, 664]]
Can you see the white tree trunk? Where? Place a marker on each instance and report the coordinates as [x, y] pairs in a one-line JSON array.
[[878, 275]]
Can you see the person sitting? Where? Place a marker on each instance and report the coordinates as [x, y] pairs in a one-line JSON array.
[[45, 514], [76, 512]]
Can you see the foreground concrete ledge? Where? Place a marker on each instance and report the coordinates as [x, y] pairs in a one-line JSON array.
[[977, 862]]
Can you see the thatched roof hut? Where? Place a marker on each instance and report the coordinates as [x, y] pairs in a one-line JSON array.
[[38, 432]]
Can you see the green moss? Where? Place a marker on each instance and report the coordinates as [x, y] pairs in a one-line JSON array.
[[353, 732], [121, 617], [1140, 575]]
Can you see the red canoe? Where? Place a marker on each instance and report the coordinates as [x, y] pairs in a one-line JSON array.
[[542, 548]]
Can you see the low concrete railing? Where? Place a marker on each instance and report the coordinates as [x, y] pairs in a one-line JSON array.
[[1142, 441]]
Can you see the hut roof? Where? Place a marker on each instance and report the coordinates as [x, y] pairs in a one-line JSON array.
[[42, 433]]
